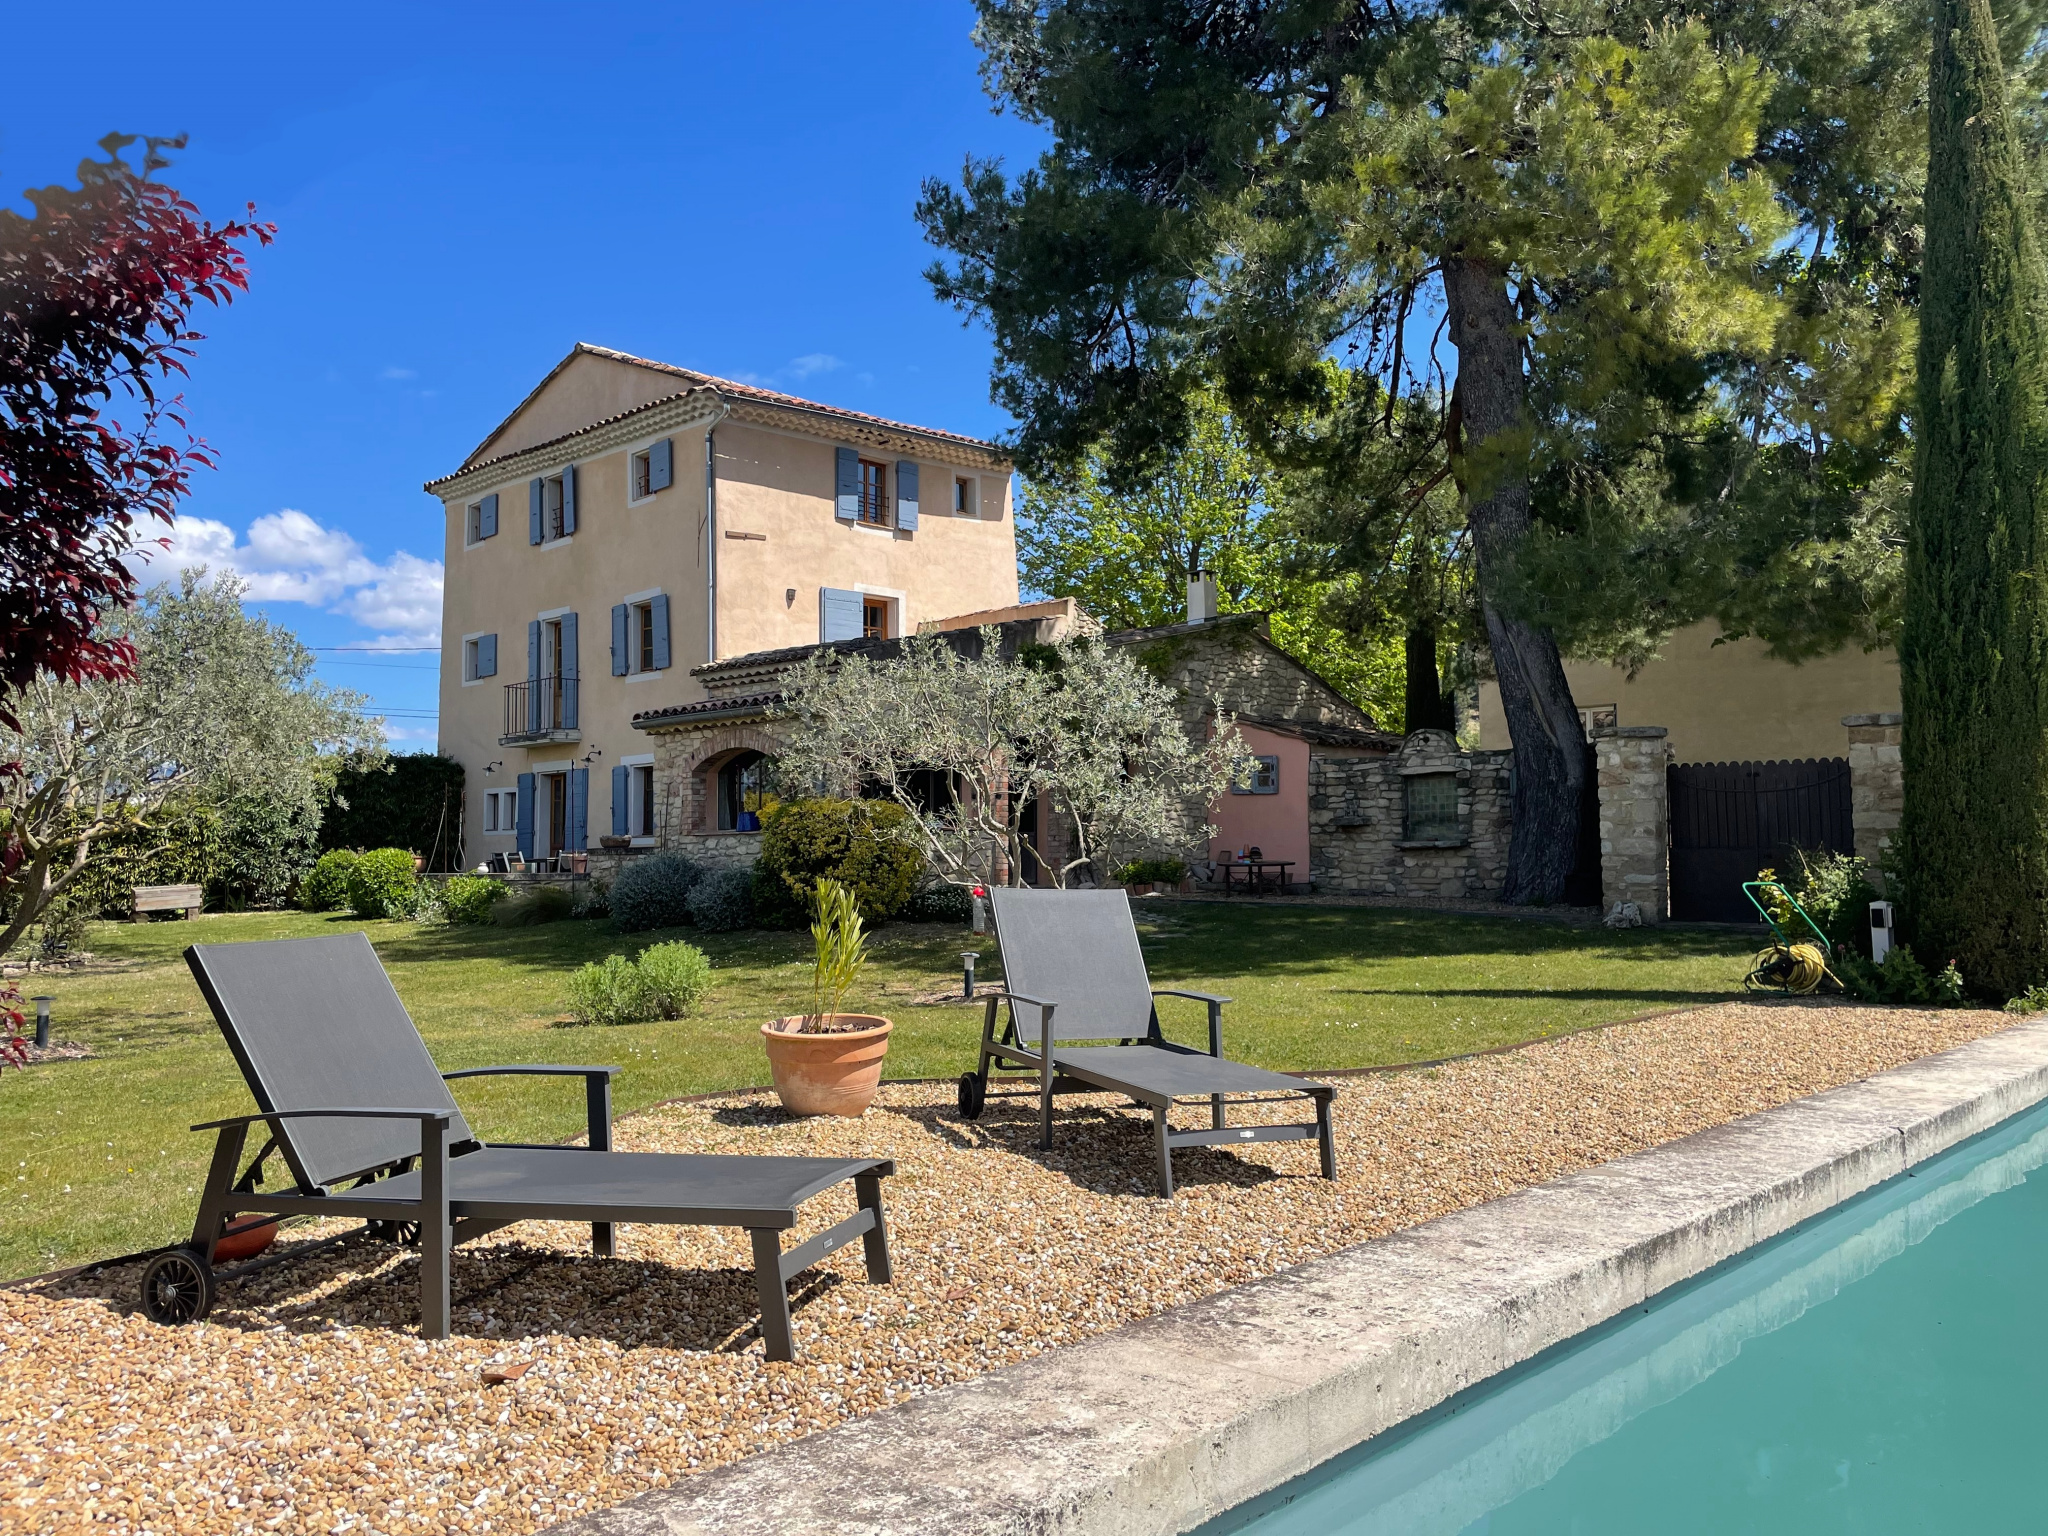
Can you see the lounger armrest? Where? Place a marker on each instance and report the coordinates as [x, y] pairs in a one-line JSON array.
[[597, 1092], [1215, 1013], [1019, 997]]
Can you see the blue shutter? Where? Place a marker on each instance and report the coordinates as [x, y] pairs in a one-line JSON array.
[[533, 529], [847, 506], [839, 614], [569, 499], [620, 791], [619, 639], [572, 675], [661, 465], [906, 495], [579, 810], [532, 675], [660, 632], [486, 655], [487, 517], [523, 827]]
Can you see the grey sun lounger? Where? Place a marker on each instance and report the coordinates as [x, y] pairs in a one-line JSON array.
[[1073, 971], [354, 1105]]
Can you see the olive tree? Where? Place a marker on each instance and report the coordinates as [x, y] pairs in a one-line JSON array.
[[968, 736], [220, 704]]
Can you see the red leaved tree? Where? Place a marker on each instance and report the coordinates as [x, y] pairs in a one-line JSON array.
[[97, 292]]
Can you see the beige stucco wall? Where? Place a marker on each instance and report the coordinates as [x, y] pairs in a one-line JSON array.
[[1729, 703], [589, 388], [771, 483]]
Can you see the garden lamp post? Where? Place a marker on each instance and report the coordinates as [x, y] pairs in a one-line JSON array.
[[42, 1021], [967, 959]]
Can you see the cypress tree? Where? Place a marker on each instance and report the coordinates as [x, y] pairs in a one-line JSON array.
[[1973, 652]]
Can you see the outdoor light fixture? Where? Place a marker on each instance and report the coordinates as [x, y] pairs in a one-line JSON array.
[[593, 754], [490, 768], [967, 959], [42, 1021]]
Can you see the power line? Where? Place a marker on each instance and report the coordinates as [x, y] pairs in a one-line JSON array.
[[375, 650]]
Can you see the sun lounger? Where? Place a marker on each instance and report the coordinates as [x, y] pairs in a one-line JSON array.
[[1073, 971], [351, 1101]]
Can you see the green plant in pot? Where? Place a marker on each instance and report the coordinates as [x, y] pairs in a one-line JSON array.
[[827, 1061]]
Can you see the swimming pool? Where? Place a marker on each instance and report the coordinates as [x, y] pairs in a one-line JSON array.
[[1882, 1369]]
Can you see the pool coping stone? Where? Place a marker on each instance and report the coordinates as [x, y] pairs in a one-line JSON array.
[[1153, 1428]]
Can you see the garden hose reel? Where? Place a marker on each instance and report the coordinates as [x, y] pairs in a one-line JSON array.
[[1795, 966]]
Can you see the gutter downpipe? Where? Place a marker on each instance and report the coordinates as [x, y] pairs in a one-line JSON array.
[[711, 535]]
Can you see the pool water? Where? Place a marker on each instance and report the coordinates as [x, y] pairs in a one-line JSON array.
[[1884, 1368]]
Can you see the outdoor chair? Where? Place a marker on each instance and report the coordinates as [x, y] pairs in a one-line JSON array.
[[350, 1099], [1072, 971]]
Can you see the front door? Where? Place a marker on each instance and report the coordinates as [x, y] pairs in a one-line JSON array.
[[558, 813]]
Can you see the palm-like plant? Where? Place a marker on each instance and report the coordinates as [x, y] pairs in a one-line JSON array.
[[842, 954]]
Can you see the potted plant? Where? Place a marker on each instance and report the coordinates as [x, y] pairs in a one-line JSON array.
[[826, 1062]]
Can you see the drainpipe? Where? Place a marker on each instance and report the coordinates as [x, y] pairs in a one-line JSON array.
[[711, 535]]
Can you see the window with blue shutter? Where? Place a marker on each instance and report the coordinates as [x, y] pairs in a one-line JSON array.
[[568, 500], [487, 517], [840, 615], [533, 688], [621, 789], [480, 657], [571, 676], [906, 495], [577, 839], [620, 656], [523, 827], [661, 465], [846, 490], [659, 603], [535, 532]]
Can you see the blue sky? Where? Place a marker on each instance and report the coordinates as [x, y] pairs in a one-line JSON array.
[[462, 193]]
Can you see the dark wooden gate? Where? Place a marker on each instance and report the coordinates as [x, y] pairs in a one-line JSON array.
[[1728, 820]]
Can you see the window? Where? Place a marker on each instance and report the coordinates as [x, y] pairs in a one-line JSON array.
[[479, 657], [642, 473], [1430, 808], [1264, 780], [643, 637], [640, 817], [874, 494], [640, 635], [501, 810], [741, 790], [650, 469], [964, 498], [874, 618], [551, 509]]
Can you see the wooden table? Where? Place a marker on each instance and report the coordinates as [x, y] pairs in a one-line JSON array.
[[1255, 874]]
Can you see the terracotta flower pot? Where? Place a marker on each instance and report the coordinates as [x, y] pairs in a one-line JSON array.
[[244, 1245], [834, 1074]]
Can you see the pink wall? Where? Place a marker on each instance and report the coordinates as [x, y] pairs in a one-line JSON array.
[[1276, 824]]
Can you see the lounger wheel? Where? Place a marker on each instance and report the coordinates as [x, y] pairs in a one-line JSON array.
[[973, 1095], [177, 1287], [402, 1234]]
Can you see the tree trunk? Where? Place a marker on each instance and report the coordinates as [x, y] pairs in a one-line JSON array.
[[1973, 650], [1428, 706], [1543, 722]]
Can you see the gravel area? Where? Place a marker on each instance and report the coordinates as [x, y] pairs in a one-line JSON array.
[[307, 1404]]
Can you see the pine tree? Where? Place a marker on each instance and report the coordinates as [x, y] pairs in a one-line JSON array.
[[1973, 653]]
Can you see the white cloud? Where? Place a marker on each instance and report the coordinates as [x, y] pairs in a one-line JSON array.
[[814, 362], [398, 373], [288, 557]]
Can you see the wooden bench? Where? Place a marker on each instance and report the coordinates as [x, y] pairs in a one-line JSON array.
[[169, 898]]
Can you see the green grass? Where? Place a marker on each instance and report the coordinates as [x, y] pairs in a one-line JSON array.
[[102, 1161]]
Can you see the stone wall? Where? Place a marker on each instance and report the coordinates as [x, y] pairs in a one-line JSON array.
[[720, 850], [1877, 786], [1357, 823], [1635, 835]]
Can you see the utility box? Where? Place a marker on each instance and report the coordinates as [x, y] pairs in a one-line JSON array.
[[1880, 930]]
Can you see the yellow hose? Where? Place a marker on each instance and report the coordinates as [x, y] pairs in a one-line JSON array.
[[1798, 969]]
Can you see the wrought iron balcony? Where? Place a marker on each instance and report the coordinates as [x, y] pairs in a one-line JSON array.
[[541, 709]]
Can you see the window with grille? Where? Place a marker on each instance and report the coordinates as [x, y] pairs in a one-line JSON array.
[[1430, 807], [874, 494]]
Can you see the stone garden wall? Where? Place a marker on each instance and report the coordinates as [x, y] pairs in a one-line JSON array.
[[1877, 786], [1635, 821], [1357, 823]]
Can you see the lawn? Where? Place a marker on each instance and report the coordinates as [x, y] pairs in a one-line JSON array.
[[103, 1162]]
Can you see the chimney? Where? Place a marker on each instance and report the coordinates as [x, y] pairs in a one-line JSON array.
[[1201, 598]]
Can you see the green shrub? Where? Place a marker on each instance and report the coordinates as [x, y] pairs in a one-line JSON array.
[[594, 898], [609, 991], [325, 888], [858, 843], [941, 903], [2033, 1000], [1152, 872], [542, 904], [380, 883], [674, 976], [426, 904], [1901, 979], [1834, 890], [469, 898], [723, 901], [653, 891]]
